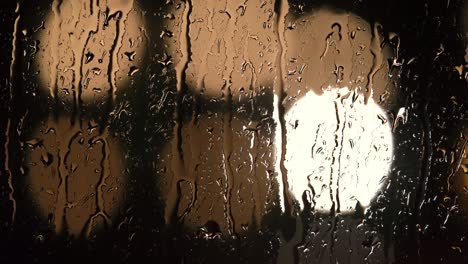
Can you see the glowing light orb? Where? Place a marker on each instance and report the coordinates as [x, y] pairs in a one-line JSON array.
[[338, 150]]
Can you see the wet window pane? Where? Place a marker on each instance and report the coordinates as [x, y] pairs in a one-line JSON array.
[[243, 131]]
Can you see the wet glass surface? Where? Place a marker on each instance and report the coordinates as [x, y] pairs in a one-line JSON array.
[[243, 131]]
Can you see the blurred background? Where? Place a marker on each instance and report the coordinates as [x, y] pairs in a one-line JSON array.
[[243, 131]]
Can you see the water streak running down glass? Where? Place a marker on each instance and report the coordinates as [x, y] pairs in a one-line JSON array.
[[206, 131]]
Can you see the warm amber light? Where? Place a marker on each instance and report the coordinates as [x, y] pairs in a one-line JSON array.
[[91, 48], [76, 175]]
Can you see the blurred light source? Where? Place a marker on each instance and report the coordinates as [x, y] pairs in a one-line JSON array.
[[76, 175], [90, 48], [338, 150]]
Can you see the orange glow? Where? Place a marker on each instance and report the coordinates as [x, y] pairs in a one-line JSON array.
[[76, 175], [88, 50]]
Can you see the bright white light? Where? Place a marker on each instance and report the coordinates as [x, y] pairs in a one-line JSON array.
[[338, 149]]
